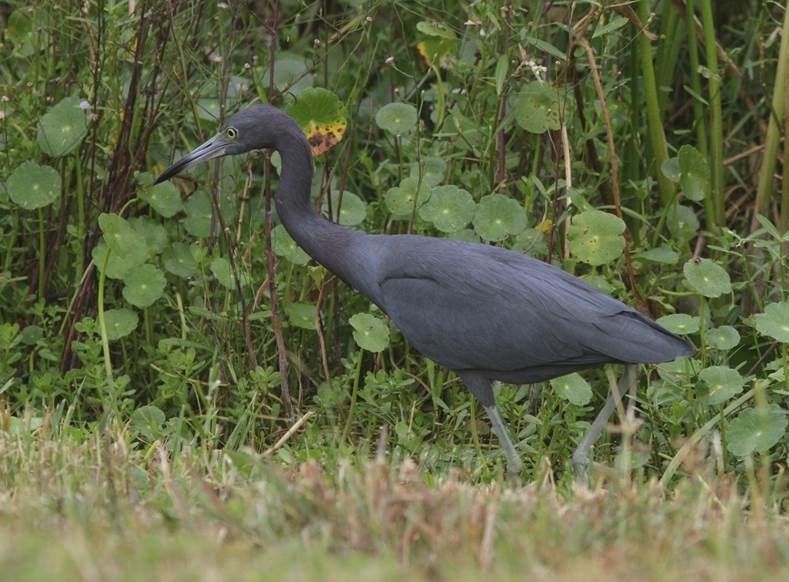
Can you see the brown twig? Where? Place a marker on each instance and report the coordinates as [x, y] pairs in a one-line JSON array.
[[291, 431], [614, 164], [276, 322]]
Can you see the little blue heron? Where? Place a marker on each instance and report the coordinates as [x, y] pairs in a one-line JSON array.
[[484, 312]]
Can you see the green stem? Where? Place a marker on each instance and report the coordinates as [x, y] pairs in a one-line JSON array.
[[657, 136], [716, 127], [354, 394], [765, 188], [42, 254], [698, 107], [105, 341], [698, 435]]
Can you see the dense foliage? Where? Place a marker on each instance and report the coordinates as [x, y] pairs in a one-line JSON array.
[[636, 145]]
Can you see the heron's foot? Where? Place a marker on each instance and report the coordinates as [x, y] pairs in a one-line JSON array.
[[581, 465], [514, 467]]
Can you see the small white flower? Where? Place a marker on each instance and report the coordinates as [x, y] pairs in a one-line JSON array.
[[84, 105]]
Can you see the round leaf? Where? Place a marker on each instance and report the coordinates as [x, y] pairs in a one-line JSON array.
[[353, 209], [596, 237], [724, 337], [301, 315], [538, 108], [680, 323], [707, 278], [498, 216], [722, 383], [403, 199], [33, 186], [117, 266], [143, 285], [573, 388], [153, 233], [178, 260], [62, 128], [198, 215], [396, 118], [123, 240], [449, 209], [283, 245], [322, 116], [290, 73], [164, 198], [682, 222], [755, 431], [147, 421], [120, 322], [221, 269], [369, 332], [432, 170], [694, 173], [774, 322]]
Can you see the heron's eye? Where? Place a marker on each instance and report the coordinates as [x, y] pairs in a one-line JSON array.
[[231, 132]]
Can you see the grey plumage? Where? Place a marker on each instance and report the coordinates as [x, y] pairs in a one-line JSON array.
[[485, 312]]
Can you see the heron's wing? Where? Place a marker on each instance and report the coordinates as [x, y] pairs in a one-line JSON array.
[[482, 308]]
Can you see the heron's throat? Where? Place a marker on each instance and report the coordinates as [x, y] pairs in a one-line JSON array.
[[335, 247]]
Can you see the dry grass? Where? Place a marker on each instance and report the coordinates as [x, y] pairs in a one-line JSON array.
[[98, 510]]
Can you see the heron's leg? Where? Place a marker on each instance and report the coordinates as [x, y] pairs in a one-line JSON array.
[[482, 388], [514, 463], [581, 454]]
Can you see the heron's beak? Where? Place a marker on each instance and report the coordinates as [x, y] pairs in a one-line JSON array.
[[213, 148]]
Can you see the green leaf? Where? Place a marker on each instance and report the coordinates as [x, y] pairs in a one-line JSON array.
[[694, 178], [152, 232], [498, 216], [148, 421], [613, 24], [722, 383], [164, 198], [432, 170], [596, 237], [369, 332], [322, 116], [724, 337], [198, 215], [670, 169], [353, 210], [682, 222], [117, 265], [221, 269], [437, 29], [680, 323], [179, 260], [283, 245], [756, 431], [62, 128], [573, 388], [663, 254], [290, 73], [403, 199], [123, 240], [143, 285], [33, 186], [301, 315], [774, 322], [537, 108], [502, 66], [707, 278], [449, 209], [120, 322], [396, 118]]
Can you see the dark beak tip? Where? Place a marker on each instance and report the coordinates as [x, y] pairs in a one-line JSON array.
[[160, 179]]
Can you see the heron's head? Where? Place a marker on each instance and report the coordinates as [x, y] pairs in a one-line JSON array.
[[254, 128]]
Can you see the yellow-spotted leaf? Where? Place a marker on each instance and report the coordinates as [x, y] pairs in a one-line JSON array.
[[322, 116]]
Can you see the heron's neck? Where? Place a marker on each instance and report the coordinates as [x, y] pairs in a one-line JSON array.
[[337, 248]]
